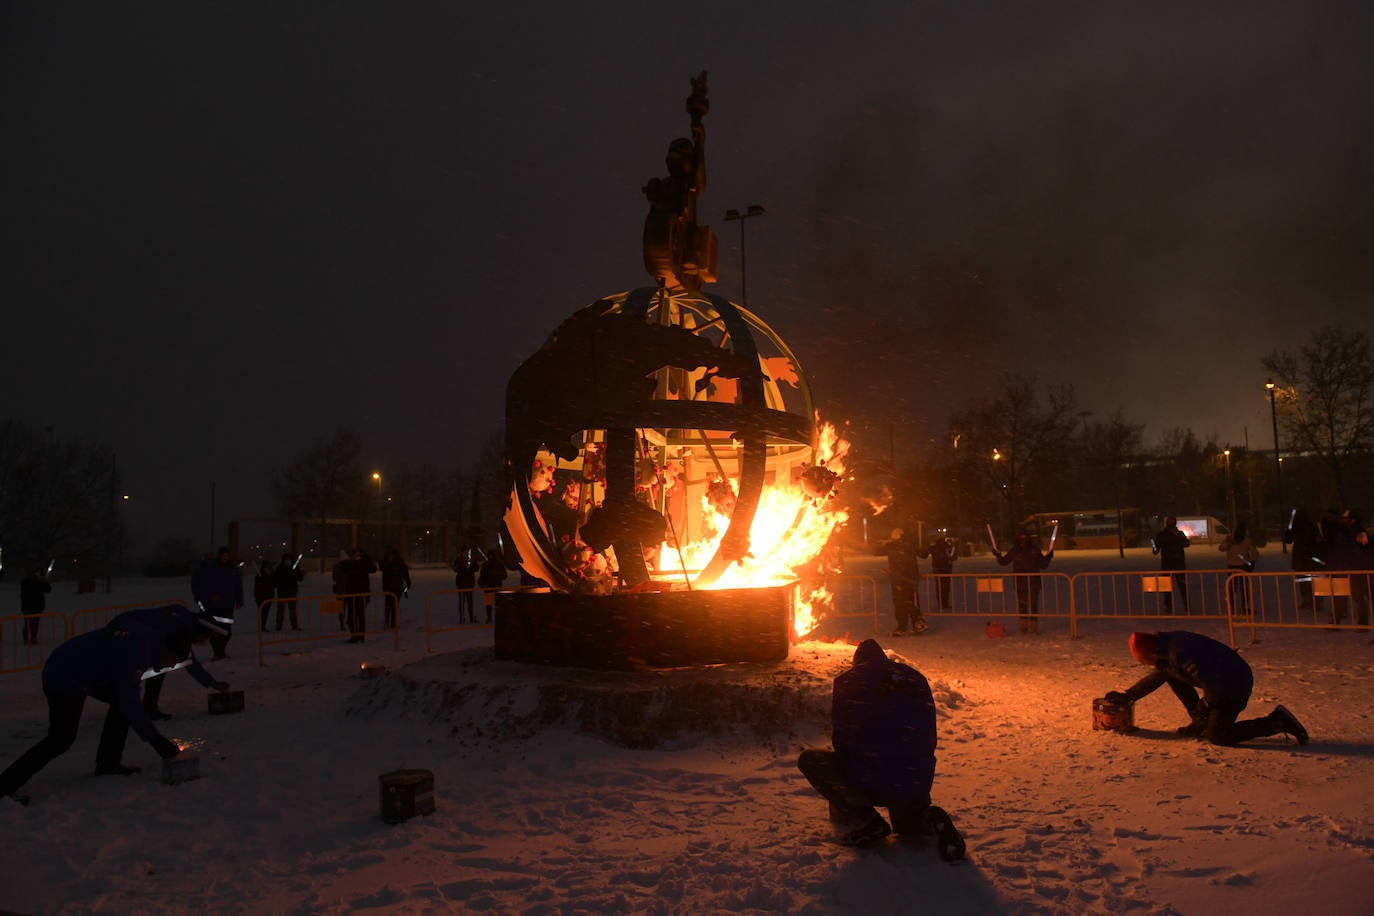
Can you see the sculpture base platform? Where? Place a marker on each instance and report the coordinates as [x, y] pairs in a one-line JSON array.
[[627, 632]]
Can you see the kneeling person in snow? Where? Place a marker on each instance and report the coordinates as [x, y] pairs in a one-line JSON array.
[[106, 664], [1189, 661], [882, 721]]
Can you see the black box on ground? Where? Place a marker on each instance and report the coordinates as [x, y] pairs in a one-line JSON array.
[[406, 794], [225, 703]]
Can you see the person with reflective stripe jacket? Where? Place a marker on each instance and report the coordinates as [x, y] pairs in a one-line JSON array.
[[171, 619], [106, 664]]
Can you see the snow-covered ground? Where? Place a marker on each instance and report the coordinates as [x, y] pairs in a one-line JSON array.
[[536, 816]]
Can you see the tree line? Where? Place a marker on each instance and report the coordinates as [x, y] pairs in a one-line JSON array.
[[58, 503], [1031, 448]]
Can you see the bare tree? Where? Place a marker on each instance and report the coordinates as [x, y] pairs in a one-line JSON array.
[[1111, 446], [1325, 396], [57, 500], [324, 477], [1020, 439]]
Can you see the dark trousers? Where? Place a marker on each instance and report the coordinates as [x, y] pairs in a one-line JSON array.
[[826, 771], [1028, 603], [1220, 726], [906, 604], [389, 612], [1181, 584], [1238, 592], [355, 612], [31, 626], [219, 643], [286, 603], [64, 717], [943, 581], [465, 612]]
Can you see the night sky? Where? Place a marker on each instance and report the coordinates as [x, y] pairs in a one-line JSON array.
[[233, 228]]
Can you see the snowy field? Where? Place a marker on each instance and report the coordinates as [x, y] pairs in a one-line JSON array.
[[534, 817]]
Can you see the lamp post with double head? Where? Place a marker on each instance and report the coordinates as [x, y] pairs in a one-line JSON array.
[[752, 211], [1278, 461]]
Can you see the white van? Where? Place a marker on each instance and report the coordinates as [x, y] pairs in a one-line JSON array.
[[1204, 529]]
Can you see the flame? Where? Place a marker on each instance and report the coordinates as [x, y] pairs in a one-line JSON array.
[[789, 532]]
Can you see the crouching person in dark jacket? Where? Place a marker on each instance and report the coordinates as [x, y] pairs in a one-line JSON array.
[[1189, 662], [108, 665], [882, 720]]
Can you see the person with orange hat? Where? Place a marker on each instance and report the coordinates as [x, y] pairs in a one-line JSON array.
[[1189, 662]]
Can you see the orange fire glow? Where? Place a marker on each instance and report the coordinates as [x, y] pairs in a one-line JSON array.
[[789, 532]]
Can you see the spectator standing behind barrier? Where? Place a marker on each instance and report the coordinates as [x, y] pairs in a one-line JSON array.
[[1302, 533], [358, 569], [1027, 562], [106, 664], [33, 599], [217, 587], [904, 577], [287, 580], [1188, 662], [340, 573], [465, 580], [169, 620], [1170, 544], [942, 555], [1241, 557], [491, 576], [1348, 552], [882, 727], [264, 589], [395, 582]]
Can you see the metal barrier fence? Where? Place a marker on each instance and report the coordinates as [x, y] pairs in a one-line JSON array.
[[853, 596], [1047, 594], [26, 639], [1174, 595], [451, 604], [1298, 600], [321, 618], [94, 618]]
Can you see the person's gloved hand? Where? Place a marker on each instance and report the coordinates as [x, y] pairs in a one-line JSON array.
[[221, 686], [1116, 696], [166, 748]]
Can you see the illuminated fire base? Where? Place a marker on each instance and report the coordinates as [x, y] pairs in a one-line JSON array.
[[627, 631]]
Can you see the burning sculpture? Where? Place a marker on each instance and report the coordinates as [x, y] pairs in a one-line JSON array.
[[668, 477]]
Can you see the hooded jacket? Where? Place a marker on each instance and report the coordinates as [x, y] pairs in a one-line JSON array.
[[883, 722]]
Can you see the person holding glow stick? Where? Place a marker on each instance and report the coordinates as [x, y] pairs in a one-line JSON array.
[[217, 586], [288, 579], [33, 599], [1027, 562], [1169, 544], [904, 577]]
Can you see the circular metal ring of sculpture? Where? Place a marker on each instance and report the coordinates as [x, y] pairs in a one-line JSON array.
[[683, 374]]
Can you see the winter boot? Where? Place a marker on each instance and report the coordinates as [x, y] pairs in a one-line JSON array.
[[873, 830], [1288, 723]]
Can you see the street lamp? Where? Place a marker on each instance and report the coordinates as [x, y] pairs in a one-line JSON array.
[[377, 476], [1278, 461], [1230, 490], [752, 211]]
